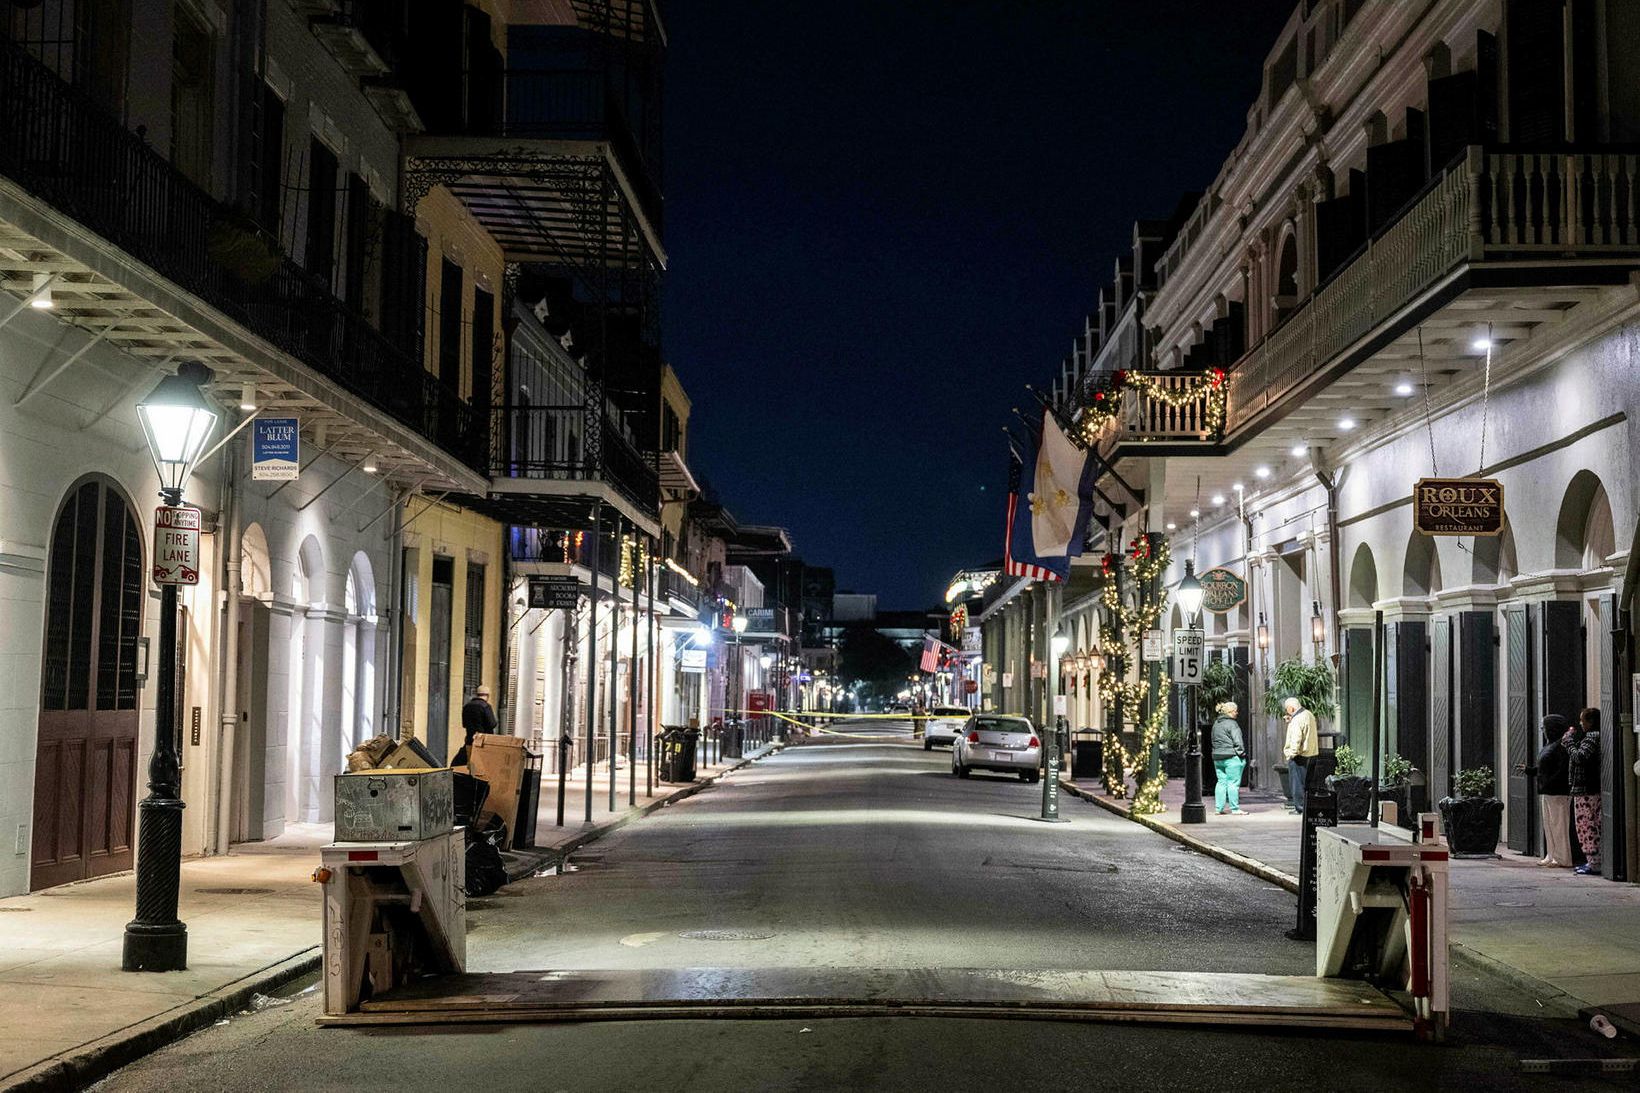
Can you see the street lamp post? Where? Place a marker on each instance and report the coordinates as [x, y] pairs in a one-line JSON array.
[[177, 421], [1194, 810], [1053, 737]]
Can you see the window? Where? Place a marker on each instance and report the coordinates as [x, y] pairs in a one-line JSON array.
[[321, 223], [193, 72], [94, 604], [268, 172], [483, 347], [472, 667], [448, 365], [671, 430], [1284, 72], [361, 209]]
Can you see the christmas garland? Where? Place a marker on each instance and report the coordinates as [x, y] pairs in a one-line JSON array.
[[1104, 404], [1148, 556]]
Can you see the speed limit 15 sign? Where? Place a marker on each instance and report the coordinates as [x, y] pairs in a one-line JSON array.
[[1187, 656]]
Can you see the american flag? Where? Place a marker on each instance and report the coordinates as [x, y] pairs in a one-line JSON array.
[[1011, 564]]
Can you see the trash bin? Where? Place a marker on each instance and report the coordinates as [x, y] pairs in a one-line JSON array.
[[677, 755], [734, 740], [1087, 755], [529, 801]]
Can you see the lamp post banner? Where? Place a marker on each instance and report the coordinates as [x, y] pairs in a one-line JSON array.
[[275, 449], [176, 544]]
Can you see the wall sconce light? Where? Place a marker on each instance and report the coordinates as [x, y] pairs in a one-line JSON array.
[[1263, 634], [1318, 626]]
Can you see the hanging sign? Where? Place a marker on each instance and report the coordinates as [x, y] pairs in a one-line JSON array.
[[970, 686], [694, 660], [554, 592], [1222, 591], [176, 544], [275, 449], [1152, 649], [1458, 506]]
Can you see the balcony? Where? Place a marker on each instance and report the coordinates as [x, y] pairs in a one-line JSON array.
[[544, 471], [1500, 244], [161, 269]]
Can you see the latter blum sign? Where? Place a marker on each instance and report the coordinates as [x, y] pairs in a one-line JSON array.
[[176, 544], [1458, 506]]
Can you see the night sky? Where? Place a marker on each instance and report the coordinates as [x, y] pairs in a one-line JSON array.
[[884, 217]]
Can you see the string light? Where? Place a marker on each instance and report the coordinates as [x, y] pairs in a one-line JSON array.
[[1175, 390], [1148, 556]]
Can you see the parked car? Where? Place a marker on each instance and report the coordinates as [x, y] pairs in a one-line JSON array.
[[945, 724], [995, 742]]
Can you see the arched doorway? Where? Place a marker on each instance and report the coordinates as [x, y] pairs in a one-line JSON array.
[[1363, 578], [251, 783], [85, 770], [358, 655]]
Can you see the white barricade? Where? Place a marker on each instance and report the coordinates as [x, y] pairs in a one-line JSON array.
[[1381, 912]]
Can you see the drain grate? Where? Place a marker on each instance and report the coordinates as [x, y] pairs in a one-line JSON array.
[[234, 891], [724, 935]]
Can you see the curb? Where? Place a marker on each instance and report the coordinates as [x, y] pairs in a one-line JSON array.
[[1460, 953], [539, 857], [1257, 868], [96, 1059]]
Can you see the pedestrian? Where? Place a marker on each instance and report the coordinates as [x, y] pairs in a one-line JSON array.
[[1229, 757], [1302, 745], [476, 716], [1582, 744], [1552, 774]]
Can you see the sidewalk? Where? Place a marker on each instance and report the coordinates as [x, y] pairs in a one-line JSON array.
[[1547, 929], [69, 1015]]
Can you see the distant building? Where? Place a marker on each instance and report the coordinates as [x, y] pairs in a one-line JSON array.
[[853, 607]]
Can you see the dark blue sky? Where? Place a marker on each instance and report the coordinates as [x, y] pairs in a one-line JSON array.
[[885, 217]]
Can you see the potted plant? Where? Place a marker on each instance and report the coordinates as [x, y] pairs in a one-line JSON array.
[[1473, 817], [1173, 742], [1312, 684], [1397, 776], [1352, 788]]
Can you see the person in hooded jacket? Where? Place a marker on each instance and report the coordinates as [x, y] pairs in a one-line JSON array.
[[1229, 757], [1582, 746], [1551, 772]]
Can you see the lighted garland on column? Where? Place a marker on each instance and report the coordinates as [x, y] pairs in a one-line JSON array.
[[1148, 556]]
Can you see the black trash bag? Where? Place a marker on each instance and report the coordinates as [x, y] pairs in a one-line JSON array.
[[469, 795], [486, 872]]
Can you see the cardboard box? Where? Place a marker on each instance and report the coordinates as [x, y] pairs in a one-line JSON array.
[[499, 760]]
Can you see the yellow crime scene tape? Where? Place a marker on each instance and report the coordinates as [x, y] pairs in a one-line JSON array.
[[793, 719]]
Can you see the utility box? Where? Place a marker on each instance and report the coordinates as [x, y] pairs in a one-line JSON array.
[[394, 805]]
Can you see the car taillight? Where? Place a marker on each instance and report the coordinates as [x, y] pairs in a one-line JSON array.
[[973, 738], [1035, 743]]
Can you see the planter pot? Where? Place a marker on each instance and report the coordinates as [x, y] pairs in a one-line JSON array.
[[1354, 793], [1472, 825]]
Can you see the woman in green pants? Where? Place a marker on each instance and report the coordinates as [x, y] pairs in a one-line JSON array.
[[1229, 757]]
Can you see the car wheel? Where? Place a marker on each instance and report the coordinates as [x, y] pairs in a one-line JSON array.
[[962, 772], [1033, 777], [1024, 776], [928, 745]]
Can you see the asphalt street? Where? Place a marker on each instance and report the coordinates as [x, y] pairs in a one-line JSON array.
[[863, 851]]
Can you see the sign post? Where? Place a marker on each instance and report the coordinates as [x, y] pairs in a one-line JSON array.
[[1051, 756], [1188, 645]]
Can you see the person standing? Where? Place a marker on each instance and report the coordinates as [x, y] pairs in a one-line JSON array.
[[476, 716], [1552, 775], [1302, 744], [1582, 745], [1229, 758]]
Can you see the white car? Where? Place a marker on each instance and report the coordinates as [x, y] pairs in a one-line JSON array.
[[944, 725], [997, 742]]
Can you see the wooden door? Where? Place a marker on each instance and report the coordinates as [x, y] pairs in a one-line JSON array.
[[85, 772], [1523, 734]]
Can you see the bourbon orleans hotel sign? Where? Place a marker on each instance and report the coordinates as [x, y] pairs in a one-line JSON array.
[[1458, 506]]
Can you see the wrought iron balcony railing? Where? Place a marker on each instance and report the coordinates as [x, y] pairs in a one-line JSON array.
[[550, 443], [65, 150]]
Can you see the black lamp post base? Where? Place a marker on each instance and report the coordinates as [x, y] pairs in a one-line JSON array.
[[1193, 813], [1194, 810], [150, 948]]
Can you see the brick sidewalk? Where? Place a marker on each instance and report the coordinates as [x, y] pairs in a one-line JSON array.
[[1547, 929]]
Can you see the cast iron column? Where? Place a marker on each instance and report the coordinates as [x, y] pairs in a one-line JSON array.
[[156, 940]]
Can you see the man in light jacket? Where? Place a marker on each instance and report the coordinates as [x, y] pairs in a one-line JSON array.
[[1303, 744]]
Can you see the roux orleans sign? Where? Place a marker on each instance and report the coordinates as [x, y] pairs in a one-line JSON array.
[[1458, 506]]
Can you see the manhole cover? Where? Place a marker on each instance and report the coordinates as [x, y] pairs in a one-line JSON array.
[[724, 935], [234, 891]]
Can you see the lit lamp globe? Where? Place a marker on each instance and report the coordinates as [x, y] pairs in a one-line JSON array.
[[739, 624], [1190, 595], [1060, 643], [177, 421]]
